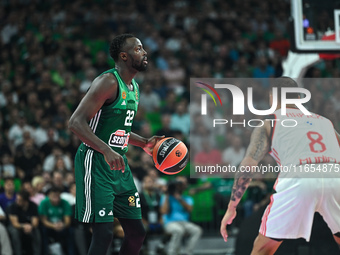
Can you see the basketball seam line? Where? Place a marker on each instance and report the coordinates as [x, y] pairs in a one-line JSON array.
[[179, 161], [158, 151], [170, 153]]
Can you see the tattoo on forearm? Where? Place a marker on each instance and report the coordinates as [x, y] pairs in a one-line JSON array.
[[241, 183], [259, 144], [257, 148]]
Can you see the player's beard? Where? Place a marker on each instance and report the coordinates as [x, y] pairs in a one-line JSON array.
[[139, 66]]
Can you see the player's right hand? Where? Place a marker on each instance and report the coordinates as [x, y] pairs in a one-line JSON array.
[[227, 219], [114, 160]]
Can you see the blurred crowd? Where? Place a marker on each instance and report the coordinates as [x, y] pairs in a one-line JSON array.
[[52, 50]]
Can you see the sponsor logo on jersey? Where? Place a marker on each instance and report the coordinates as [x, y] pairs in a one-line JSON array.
[[124, 103], [119, 139], [123, 94], [110, 213], [132, 200]]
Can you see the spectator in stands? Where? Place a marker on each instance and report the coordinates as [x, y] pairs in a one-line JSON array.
[[280, 44], [5, 243], [69, 179], [90, 74], [35, 189], [28, 163], [170, 103], [7, 168], [60, 165], [4, 148], [263, 69], [50, 160], [165, 130], [209, 119], [233, 155], [55, 216], [72, 146], [149, 99], [23, 228], [70, 196], [176, 209], [101, 62], [181, 119], [207, 155], [199, 135], [17, 130], [160, 184], [41, 132], [6, 94], [150, 199], [151, 215], [175, 76], [242, 68], [8, 196], [52, 141], [58, 181]]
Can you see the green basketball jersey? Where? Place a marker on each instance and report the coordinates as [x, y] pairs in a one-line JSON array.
[[113, 122]]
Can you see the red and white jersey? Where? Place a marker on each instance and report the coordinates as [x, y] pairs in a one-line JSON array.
[[311, 141]]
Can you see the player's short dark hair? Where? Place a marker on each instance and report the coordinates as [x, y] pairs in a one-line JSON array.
[[285, 82], [117, 44], [24, 194]]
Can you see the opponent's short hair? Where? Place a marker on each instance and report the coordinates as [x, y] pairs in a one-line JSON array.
[[285, 82], [117, 44]]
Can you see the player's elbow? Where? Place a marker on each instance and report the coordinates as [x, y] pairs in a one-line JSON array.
[[73, 124]]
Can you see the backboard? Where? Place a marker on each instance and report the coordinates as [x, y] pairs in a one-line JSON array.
[[315, 26]]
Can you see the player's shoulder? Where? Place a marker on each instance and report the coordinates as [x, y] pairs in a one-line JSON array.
[[105, 79], [105, 83]]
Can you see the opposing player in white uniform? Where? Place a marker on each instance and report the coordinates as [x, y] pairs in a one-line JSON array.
[[309, 149]]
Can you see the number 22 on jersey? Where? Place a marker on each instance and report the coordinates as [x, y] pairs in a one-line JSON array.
[[129, 117]]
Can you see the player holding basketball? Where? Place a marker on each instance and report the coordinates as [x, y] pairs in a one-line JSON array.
[[291, 210], [103, 120]]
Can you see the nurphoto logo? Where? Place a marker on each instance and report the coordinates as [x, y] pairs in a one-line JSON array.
[[238, 99]]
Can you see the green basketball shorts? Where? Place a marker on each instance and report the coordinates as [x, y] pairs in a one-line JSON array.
[[102, 193]]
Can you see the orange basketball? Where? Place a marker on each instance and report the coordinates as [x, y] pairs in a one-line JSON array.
[[170, 155]]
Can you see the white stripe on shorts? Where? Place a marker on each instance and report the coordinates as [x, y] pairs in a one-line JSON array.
[[87, 182]]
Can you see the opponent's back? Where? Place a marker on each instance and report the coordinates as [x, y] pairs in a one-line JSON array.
[[311, 141]]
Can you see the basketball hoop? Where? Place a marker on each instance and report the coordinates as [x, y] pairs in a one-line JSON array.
[[326, 56]]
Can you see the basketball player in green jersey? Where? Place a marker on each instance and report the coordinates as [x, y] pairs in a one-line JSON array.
[[103, 120]]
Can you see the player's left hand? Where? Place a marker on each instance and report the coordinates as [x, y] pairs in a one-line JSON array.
[[150, 144], [227, 219]]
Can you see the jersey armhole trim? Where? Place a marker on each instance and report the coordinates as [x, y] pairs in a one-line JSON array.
[[118, 93], [272, 129]]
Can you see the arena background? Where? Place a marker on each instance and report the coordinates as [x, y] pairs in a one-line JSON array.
[[52, 50]]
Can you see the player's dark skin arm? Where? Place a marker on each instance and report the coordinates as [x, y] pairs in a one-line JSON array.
[[257, 149], [103, 90], [146, 144]]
